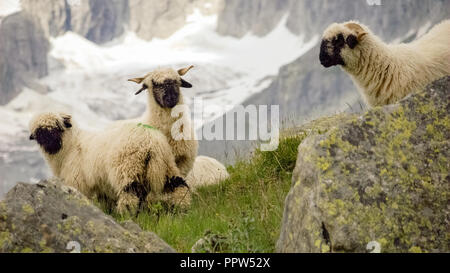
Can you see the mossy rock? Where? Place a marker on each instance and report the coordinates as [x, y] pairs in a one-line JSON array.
[[50, 217], [378, 180]]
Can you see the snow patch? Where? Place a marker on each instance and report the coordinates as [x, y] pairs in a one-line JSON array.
[[8, 7]]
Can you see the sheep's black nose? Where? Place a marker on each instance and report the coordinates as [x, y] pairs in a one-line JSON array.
[[171, 96], [325, 59]]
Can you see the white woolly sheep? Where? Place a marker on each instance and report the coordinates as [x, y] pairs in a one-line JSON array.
[[386, 73], [163, 95], [128, 163], [207, 171]]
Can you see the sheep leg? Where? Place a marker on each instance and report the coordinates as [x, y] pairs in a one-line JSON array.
[[177, 192], [128, 203], [179, 198]]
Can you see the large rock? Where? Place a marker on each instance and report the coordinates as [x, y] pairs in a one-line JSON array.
[[23, 55], [160, 19], [259, 17], [97, 20], [381, 178], [50, 217], [53, 16]]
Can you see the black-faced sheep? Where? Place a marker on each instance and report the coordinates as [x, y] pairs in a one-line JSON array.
[[129, 163], [164, 94], [385, 73]]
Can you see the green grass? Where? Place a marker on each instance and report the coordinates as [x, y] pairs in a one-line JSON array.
[[242, 214]]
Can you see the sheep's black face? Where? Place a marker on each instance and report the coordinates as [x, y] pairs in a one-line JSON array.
[[330, 50], [50, 139], [167, 94]]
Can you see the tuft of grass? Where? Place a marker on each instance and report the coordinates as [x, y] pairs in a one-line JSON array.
[[243, 214]]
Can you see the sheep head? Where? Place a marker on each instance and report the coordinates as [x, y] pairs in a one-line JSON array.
[[48, 129], [164, 84], [340, 44]]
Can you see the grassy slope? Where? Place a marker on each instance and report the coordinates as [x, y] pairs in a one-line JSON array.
[[244, 213]]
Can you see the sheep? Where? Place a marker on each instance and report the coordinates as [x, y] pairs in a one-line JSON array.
[[206, 171], [164, 94], [386, 73], [127, 163]]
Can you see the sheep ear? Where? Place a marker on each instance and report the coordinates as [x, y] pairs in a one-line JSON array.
[[185, 84], [360, 32], [67, 120], [183, 71], [136, 80]]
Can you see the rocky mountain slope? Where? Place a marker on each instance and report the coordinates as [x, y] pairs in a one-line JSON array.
[[160, 19], [24, 36], [23, 55], [393, 19], [312, 17], [379, 180], [99, 21]]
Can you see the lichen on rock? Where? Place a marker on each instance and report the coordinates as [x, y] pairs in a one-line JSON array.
[[50, 217], [383, 178]]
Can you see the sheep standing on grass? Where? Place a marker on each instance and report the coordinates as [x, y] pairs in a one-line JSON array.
[[164, 95], [129, 164], [385, 73]]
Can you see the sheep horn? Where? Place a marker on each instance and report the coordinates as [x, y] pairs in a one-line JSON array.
[[144, 87], [183, 71], [136, 80]]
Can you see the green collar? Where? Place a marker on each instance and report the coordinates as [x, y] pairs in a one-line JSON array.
[[146, 126]]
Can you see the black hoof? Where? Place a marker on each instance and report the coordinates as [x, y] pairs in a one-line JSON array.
[[137, 189]]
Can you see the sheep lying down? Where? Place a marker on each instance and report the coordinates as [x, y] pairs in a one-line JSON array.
[[128, 163], [206, 171]]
